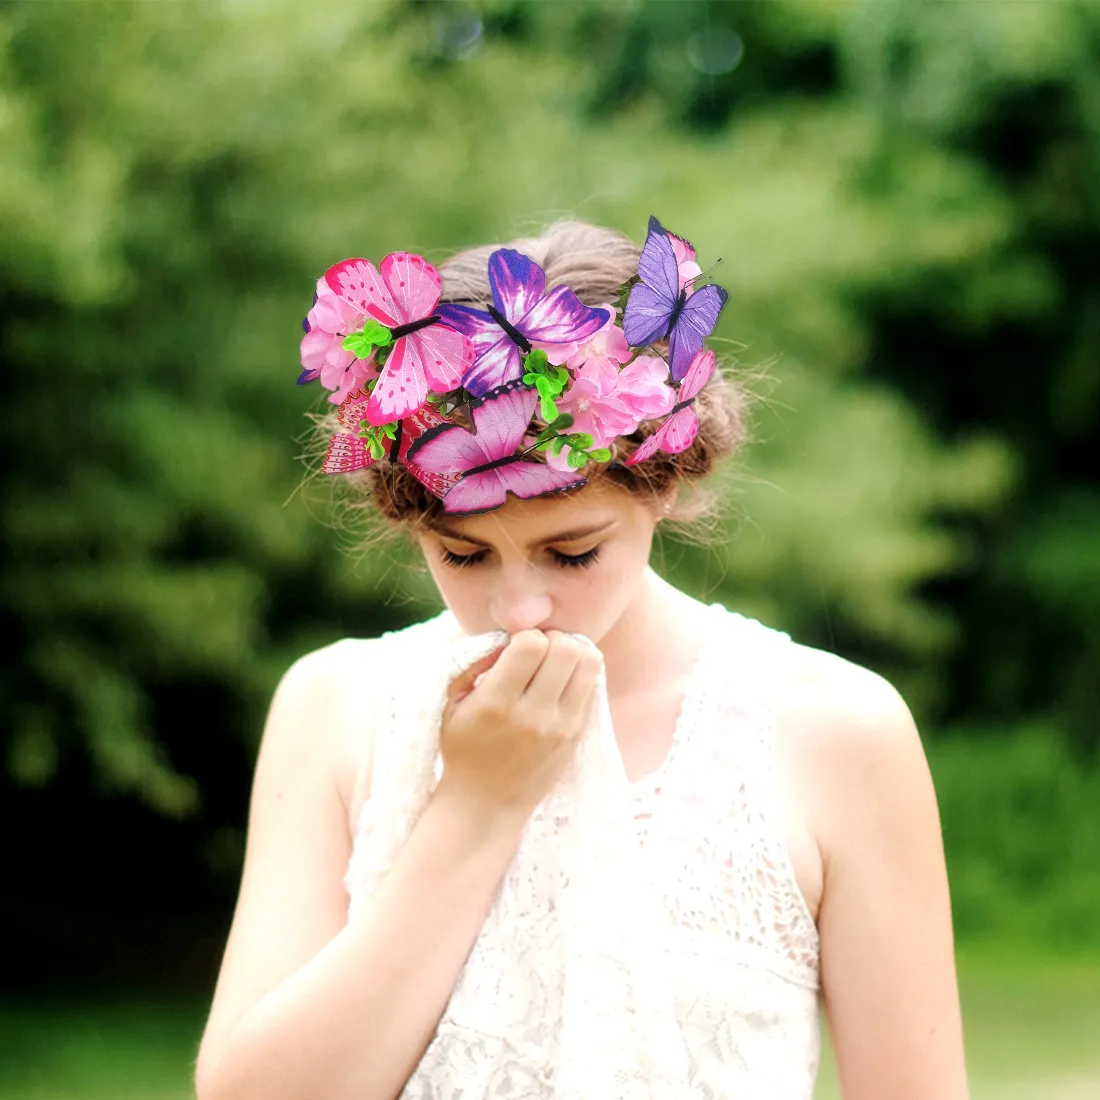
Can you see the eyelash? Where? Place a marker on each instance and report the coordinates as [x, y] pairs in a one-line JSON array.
[[565, 561]]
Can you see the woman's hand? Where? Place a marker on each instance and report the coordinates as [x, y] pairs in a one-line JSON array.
[[513, 720]]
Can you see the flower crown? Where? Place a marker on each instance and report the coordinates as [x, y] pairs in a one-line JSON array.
[[520, 398]]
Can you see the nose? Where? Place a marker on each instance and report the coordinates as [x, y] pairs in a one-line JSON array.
[[521, 601]]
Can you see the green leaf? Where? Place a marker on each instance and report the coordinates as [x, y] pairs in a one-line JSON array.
[[376, 448], [562, 421], [601, 454], [576, 460], [581, 440], [376, 333], [536, 361], [558, 444], [547, 407]]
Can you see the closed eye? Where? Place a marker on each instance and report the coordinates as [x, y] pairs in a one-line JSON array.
[[458, 561], [566, 561], [576, 561]]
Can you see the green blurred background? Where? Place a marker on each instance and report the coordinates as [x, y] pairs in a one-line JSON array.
[[906, 200]]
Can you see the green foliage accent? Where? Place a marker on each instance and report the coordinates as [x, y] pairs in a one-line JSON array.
[[373, 335], [548, 379], [375, 435]]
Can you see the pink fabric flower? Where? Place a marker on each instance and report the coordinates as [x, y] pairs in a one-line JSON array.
[[644, 388], [595, 403], [685, 262], [607, 402], [323, 354]]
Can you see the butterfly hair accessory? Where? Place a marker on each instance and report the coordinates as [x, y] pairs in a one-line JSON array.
[[521, 398]]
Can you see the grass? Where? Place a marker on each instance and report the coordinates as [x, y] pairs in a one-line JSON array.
[[1032, 1029]]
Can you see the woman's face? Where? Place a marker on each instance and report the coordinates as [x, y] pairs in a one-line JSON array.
[[572, 563]]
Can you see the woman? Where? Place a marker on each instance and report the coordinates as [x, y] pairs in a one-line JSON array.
[[531, 918]]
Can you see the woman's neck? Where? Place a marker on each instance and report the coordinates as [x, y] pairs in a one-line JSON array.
[[656, 637]]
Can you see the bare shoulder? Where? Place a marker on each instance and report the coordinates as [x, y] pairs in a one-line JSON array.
[[317, 713], [851, 744]]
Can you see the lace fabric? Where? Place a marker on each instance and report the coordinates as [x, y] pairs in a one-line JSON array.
[[648, 940]]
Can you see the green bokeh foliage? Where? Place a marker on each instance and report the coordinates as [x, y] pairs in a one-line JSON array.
[[904, 198]]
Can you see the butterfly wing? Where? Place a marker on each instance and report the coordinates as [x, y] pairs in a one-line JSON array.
[[441, 354], [517, 282], [678, 432], [353, 411], [648, 449], [501, 420], [412, 428], [651, 302], [561, 318], [500, 423], [488, 489], [695, 323], [413, 285], [496, 359], [646, 316], [698, 374], [359, 284], [401, 387], [346, 454]]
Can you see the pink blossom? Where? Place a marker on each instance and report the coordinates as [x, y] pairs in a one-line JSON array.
[[644, 389], [595, 403], [322, 350], [685, 262], [608, 344], [606, 402]]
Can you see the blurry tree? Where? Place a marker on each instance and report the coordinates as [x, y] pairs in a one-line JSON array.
[[898, 253]]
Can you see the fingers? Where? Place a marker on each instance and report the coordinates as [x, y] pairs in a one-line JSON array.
[[576, 700], [558, 666], [464, 682], [520, 659]]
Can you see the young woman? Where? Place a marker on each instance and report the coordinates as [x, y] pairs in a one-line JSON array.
[[656, 835]]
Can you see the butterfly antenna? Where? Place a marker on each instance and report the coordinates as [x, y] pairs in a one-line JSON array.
[[707, 270]]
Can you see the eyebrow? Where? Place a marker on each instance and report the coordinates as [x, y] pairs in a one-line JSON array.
[[561, 536]]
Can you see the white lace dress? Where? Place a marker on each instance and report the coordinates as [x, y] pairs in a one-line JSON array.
[[649, 940]]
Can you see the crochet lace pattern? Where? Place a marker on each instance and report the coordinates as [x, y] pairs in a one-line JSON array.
[[649, 940]]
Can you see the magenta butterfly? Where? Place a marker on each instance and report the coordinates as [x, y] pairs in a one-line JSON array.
[[680, 427], [522, 313], [486, 464], [658, 308], [426, 355], [348, 453]]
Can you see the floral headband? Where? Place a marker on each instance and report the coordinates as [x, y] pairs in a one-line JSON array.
[[520, 398]]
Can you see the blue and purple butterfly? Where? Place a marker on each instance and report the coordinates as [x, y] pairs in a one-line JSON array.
[[660, 308], [487, 462], [522, 314]]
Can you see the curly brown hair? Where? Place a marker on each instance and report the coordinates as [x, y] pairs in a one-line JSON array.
[[594, 262]]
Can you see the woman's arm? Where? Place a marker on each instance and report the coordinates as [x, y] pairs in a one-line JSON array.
[[887, 957], [309, 1006]]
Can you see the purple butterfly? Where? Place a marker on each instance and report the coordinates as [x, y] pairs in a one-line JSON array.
[[658, 307], [522, 312], [486, 464]]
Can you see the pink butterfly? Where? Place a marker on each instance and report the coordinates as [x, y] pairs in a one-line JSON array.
[[681, 426], [486, 464], [348, 453], [426, 355]]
